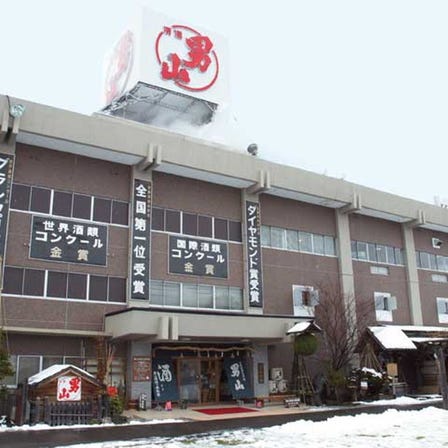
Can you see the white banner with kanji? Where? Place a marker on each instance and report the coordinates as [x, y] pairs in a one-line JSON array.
[[69, 388]]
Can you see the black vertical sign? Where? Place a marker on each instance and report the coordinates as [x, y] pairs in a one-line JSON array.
[[237, 378], [141, 239], [6, 167], [253, 247], [164, 383]]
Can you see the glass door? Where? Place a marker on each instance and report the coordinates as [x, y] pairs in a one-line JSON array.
[[209, 381], [189, 379]]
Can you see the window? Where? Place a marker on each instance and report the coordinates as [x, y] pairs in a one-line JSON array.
[[13, 280], [305, 242], [277, 238], [34, 282], [236, 298], [222, 297], [205, 226], [376, 253], [57, 284], [330, 247], [120, 213], [158, 218], [171, 292], [221, 230], [81, 206], [305, 298], [62, 203], [20, 197], [27, 366], [190, 295], [189, 224], [433, 262], [98, 288], [205, 296], [361, 248], [172, 221], [318, 244], [235, 231], [40, 200], [156, 292], [292, 240], [117, 289], [102, 209], [196, 296], [439, 278], [385, 303], [379, 270], [266, 236], [442, 310], [77, 286]]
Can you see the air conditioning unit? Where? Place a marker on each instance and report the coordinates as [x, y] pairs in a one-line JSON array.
[[276, 373]]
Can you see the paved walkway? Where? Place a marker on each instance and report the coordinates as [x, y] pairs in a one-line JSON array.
[[190, 414]]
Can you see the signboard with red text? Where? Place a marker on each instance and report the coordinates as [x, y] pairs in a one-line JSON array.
[[170, 54]]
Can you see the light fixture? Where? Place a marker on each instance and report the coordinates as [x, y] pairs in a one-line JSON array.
[[436, 243], [16, 110], [252, 149]]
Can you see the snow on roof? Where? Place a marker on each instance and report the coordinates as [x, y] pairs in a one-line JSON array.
[[301, 327], [392, 338], [420, 328], [423, 340], [53, 370]]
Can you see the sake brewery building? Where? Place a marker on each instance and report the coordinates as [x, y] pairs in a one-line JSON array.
[[193, 260]]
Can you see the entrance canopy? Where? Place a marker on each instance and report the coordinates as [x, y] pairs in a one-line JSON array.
[[174, 325]]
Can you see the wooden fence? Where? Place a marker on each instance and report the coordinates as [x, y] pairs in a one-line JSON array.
[[67, 413]]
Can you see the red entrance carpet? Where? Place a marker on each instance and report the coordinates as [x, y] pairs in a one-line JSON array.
[[217, 411]]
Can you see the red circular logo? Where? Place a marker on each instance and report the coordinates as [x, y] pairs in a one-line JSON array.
[[187, 58]]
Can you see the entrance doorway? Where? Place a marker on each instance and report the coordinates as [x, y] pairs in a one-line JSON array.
[[199, 379]]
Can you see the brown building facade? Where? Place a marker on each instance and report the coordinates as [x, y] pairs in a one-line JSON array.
[[193, 261]]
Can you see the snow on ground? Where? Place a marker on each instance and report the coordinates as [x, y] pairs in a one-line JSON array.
[[41, 426], [392, 429]]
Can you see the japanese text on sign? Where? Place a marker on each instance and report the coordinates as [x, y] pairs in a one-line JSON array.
[[141, 240], [187, 58], [164, 382], [254, 266], [69, 388], [198, 257], [6, 166], [67, 240], [237, 378]]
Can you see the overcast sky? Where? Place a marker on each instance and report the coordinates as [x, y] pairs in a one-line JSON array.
[[353, 89]]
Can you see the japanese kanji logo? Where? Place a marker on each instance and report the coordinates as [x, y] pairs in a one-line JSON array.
[[187, 58]]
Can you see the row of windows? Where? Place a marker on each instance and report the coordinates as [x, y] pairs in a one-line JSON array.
[[190, 295], [377, 253], [196, 225], [26, 366], [63, 285], [426, 260], [70, 205], [279, 238]]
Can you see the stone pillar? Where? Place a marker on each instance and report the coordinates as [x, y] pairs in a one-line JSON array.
[[345, 261], [412, 274]]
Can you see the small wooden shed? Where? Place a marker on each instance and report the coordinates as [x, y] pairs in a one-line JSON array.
[[64, 395]]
